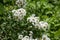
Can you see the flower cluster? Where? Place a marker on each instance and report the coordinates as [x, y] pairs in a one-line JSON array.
[[33, 19], [27, 37], [20, 3], [19, 13], [44, 37], [38, 24]]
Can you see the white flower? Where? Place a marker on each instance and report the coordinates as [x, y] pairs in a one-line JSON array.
[[37, 25], [20, 3], [26, 38], [16, 14], [22, 11], [13, 11], [31, 32], [35, 39], [19, 13], [30, 36], [33, 15], [43, 25], [33, 19], [45, 37], [20, 36]]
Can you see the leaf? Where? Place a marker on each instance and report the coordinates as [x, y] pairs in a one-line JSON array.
[[57, 33], [1, 9]]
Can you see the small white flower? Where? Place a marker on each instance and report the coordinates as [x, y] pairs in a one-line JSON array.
[[33, 15], [13, 11], [31, 32], [33, 19], [30, 36], [22, 11], [16, 14], [20, 36], [43, 25], [20, 3], [26, 38], [36, 39], [45, 37], [37, 25]]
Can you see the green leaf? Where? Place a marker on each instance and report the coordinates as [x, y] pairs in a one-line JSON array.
[[57, 33]]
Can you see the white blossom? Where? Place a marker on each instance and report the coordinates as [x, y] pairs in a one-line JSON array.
[[31, 35], [31, 32], [13, 11], [22, 11], [45, 37], [36, 39], [26, 38], [20, 36], [19, 13], [37, 25], [43, 25], [33, 19], [33, 15], [20, 3]]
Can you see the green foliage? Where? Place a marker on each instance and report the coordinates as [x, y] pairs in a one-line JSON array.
[[46, 10]]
